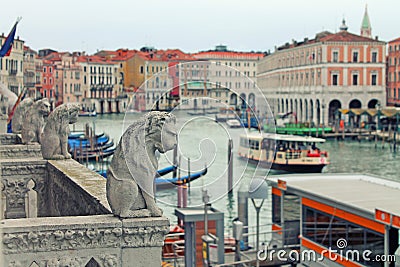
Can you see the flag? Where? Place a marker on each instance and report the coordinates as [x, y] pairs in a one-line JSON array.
[[6, 48]]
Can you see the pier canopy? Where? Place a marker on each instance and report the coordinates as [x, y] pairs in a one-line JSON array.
[[388, 112], [349, 213]]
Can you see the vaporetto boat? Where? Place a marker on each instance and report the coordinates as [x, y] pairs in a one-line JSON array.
[[290, 153]]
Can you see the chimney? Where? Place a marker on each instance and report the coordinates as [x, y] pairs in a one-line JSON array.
[[376, 37]]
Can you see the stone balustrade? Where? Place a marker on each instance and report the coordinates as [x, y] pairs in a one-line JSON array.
[[100, 240], [55, 213]]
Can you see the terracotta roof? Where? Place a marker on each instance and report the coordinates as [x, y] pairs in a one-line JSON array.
[[342, 36], [345, 36], [94, 59], [395, 40], [166, 55], [228, 55]]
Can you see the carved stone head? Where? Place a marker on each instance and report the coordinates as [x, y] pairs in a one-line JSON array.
[[161, 131]]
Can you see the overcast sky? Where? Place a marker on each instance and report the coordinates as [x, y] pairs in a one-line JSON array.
[[257, 25]]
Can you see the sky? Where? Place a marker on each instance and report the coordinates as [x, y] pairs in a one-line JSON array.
[[247, 25]]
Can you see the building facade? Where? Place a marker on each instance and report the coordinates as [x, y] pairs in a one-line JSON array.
[[393, 73], [314, 78], [235, 73], [29, 67], [11, 67], [48, 82], [102, 83]]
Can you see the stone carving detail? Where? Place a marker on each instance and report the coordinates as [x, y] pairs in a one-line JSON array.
[[17, 151], [20, 112], [33, 122], [59, 240], [15, 264], [133, 167], [56, 131], [145, 236], [12, 170], [109, 260], [15, 191]]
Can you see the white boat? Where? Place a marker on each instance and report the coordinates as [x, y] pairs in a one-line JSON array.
[[289, 153], [233, 123], [88, 114], [226, 114]]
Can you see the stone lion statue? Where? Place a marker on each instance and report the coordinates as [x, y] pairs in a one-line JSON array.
[[19, 113], [132, 170], [56, 131], [33, 122]]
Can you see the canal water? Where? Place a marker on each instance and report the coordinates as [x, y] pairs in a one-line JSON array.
[[205, 143]]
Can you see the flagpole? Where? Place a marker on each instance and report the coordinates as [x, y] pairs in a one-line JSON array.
[[5, 50]]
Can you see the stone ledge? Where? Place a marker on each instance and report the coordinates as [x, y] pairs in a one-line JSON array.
[[89, 181], [46, 234], [20, 151], [22, 166], [9, 139]]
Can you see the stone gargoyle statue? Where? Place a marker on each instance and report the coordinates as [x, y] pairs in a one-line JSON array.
[[56, 131], [130, 176], [33, 122], [19, 114]]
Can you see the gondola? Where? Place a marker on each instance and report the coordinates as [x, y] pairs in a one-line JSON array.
[[93, 155], [81, 135], [95, 149], [84, 142], [168, 183]]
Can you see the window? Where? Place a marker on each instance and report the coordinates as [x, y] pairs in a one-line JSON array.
[[44, 80], [335, 79], [355, 56], [355, 79], [335, 57], [373, 79], [51, 70], [374, 57], [326, 229], [276, 209], [44, 69], [141, 69]]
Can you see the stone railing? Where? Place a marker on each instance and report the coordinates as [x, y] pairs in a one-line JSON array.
[[40, 188], [73, 190], [101, 240], [22, 179], [20, 151], [56, 214], [9, 139]]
